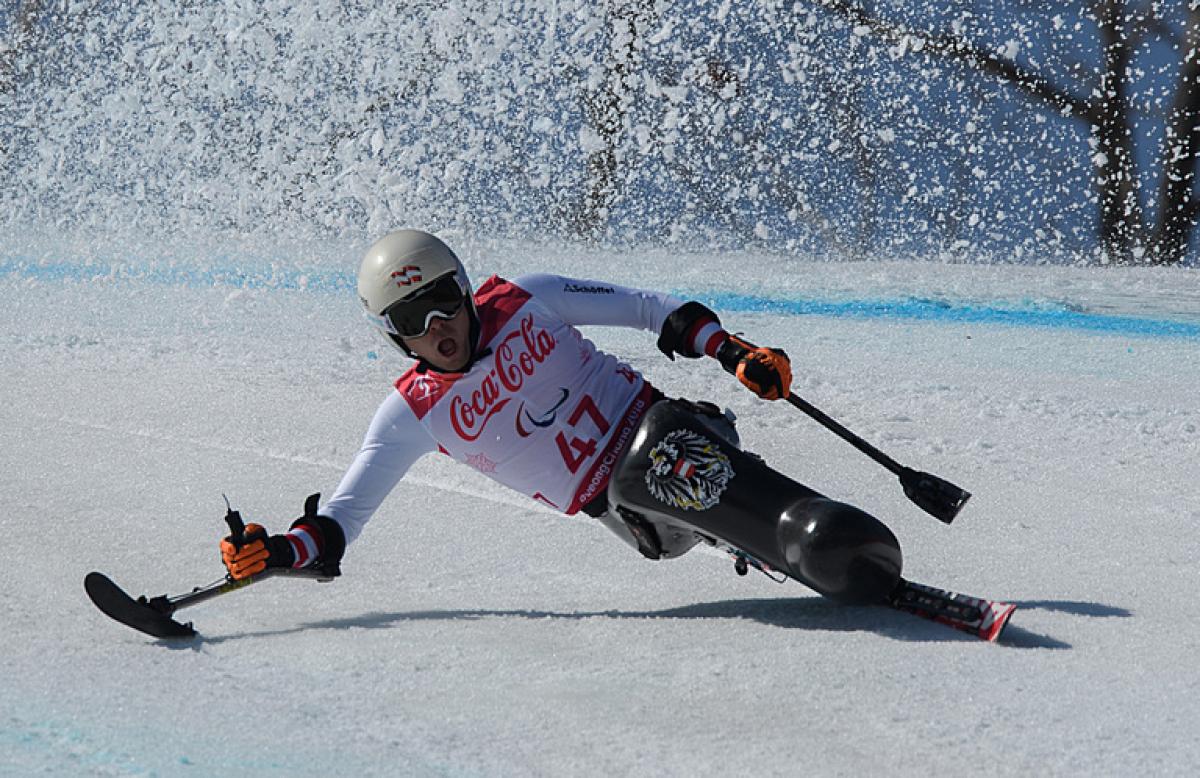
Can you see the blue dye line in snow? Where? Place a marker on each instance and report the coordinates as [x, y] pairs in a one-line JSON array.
[[1058, 316], [920, 309]]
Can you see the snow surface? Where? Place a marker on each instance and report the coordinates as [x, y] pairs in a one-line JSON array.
[[475, 633]]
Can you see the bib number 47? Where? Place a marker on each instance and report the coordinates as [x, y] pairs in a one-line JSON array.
[[578, 450]]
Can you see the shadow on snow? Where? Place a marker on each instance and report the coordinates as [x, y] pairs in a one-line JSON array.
[[807, 613]]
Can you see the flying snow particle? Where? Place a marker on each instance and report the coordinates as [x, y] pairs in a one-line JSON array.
[[663, 34], [590, 140]]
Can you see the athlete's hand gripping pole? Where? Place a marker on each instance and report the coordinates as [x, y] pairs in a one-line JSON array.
[[765, 371], [936, 496], [247, 550]]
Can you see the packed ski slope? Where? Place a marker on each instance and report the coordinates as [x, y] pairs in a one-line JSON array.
[[475, 633]]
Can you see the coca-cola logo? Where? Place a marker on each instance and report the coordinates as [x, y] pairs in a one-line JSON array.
[[516, 358]]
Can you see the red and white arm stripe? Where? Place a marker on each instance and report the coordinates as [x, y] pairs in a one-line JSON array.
[[706, 337], [305, 544]]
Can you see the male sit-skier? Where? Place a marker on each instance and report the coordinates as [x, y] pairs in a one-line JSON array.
[[505, 383]]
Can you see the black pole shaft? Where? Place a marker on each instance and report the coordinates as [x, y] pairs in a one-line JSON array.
[[836, 428], [936, 496], [847, 435]]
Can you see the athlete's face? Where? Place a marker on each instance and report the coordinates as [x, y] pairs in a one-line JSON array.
[[445, 345]]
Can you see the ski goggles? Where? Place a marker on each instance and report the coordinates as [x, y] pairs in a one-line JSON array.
[[411, 316]]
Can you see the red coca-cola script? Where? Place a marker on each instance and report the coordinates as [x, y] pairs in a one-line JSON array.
[[517, 358]]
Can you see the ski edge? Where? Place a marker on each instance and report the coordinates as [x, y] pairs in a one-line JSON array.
[[983, 618]]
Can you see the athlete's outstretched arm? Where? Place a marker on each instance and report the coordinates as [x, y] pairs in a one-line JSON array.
[[394, 441]]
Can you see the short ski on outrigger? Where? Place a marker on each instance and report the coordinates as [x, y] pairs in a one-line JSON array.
[[153, 615]]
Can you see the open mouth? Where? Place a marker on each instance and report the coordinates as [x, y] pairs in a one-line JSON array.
[[447, 347]]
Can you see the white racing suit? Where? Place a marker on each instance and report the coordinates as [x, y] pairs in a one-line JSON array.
[[540, 410]]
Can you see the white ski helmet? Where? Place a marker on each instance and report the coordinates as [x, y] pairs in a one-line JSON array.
[[407, 279]]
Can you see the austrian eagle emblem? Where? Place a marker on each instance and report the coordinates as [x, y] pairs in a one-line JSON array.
[[688, 471]]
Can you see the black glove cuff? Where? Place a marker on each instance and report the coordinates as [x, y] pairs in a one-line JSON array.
[[673, 339], [730, 354], [281, 553], [333, 540]]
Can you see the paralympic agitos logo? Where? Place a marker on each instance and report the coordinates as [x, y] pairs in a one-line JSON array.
[[517, 357]]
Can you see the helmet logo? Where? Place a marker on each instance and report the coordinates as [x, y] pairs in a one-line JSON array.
[[407, 275]]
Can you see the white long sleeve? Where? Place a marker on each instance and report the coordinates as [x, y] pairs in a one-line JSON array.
[[583, 302], [394, 441]]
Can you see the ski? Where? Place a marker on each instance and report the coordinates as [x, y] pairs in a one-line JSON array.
[[984, 619]]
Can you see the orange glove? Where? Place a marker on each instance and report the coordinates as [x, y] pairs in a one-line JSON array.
[[765, 371], [255, 553]]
